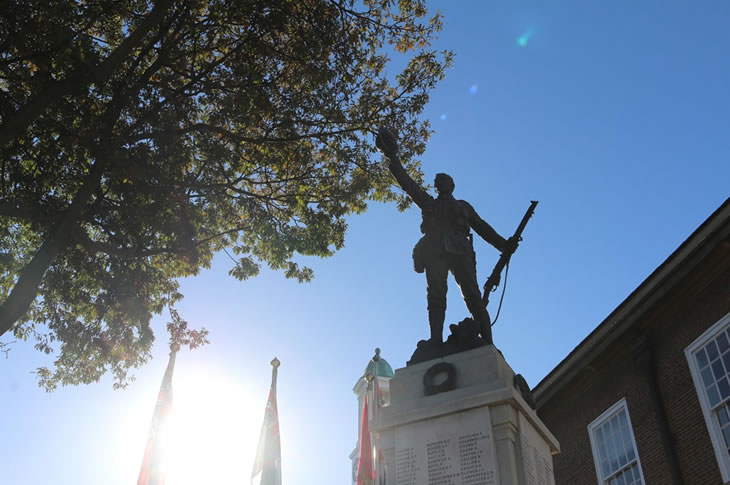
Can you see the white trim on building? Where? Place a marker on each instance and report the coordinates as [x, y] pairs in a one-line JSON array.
[[614, 449], [709, 363]]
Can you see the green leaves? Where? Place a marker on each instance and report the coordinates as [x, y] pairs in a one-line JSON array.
[[168, 131], [181, 335], [244, 269]]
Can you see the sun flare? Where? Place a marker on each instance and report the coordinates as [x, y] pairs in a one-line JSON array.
[[212, 432]]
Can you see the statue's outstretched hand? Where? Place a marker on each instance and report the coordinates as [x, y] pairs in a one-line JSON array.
[[386, 142]]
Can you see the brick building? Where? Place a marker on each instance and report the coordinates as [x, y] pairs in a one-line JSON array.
[[645, 398]]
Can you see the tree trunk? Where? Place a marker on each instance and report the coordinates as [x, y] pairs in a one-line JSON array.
[[26, 289]]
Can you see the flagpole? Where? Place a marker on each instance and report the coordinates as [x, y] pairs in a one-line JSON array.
[[275, 363], [267, 465]]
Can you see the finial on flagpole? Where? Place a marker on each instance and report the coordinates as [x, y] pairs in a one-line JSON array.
[[275, 363]]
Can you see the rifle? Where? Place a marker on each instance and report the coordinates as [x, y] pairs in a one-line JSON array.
[[493, 280]]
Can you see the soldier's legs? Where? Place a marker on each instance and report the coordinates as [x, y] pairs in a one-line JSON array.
[[465, 275], [437, 270]]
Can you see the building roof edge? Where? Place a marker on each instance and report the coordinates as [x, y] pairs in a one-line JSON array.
[[629, 311]]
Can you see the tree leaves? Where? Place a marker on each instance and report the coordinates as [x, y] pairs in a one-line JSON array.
[[140, 138]]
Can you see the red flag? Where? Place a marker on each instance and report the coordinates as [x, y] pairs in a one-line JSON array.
[[267, 467], [152, 472], [365, 471]]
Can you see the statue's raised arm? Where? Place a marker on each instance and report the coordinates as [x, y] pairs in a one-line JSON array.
[[388, 144]]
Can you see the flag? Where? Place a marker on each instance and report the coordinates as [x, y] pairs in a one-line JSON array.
[[267, 467], [365, 471], [152, 471]]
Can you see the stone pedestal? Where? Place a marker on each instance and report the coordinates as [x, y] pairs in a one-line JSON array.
[[474, 428]]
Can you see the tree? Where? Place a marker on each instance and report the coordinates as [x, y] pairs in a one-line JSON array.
[[140, 138]]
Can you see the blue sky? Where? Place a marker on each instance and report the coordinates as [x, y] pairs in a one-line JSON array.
[[613, 114]]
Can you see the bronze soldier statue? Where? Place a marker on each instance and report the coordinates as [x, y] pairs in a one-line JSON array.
[[446, 244]]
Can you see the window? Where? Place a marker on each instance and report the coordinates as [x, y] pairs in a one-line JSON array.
[[709, 364], [614, 448]]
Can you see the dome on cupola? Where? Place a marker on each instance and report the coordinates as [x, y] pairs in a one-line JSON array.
[[378, 366]]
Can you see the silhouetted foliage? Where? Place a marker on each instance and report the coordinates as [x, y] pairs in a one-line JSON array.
[[139, 138]]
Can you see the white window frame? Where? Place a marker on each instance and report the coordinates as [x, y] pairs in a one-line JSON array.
[[713, 425], [599, 421]]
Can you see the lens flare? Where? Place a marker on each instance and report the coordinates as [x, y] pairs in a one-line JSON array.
[[473, 89], [524, 38], [443, 117]]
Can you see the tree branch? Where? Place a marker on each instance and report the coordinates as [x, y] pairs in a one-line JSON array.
[[77, 82], [28, 214], [235, 137], [92, 247]]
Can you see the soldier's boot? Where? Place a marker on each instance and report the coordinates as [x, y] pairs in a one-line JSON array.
[[436, 319]]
